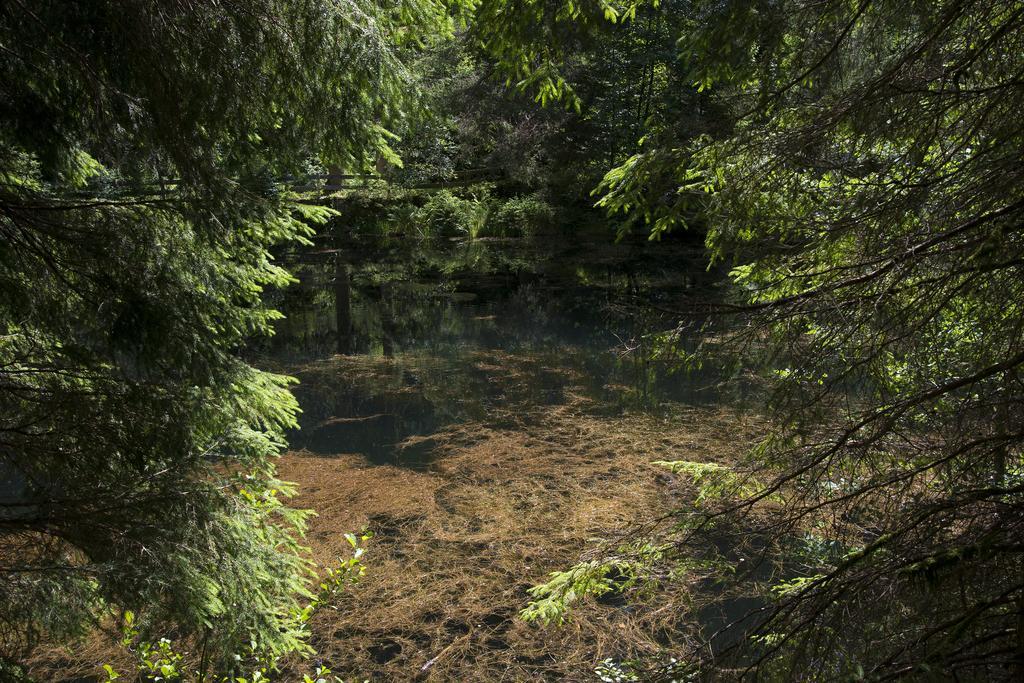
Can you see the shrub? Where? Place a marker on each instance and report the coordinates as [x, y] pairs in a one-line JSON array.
[[160, 660], [446, 215], [520, 217]]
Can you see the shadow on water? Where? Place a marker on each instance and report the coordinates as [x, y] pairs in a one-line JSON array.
[[394, 338]]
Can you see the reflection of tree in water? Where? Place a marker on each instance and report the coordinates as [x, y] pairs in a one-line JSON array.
[[404, 293], [343, 304]]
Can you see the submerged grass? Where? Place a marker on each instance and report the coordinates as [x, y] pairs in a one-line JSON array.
[[507, 499]]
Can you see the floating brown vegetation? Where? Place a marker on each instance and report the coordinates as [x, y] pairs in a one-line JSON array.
[[507, 500]]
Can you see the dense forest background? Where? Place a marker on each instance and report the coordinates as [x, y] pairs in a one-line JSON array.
[[850, 170]]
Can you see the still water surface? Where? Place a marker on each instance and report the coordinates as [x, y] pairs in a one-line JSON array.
[[393, 338]]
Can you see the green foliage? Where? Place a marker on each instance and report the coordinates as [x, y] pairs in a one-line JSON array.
[[448, 215], [520, 217], [476, 213], [864, 187], [609, 671], [160, 661], [529, 40], [554, 599], [713, 480], [138, 214], [615, 65], [795, 586]]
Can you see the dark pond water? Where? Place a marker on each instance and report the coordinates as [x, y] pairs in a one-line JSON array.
[[393, 338]]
